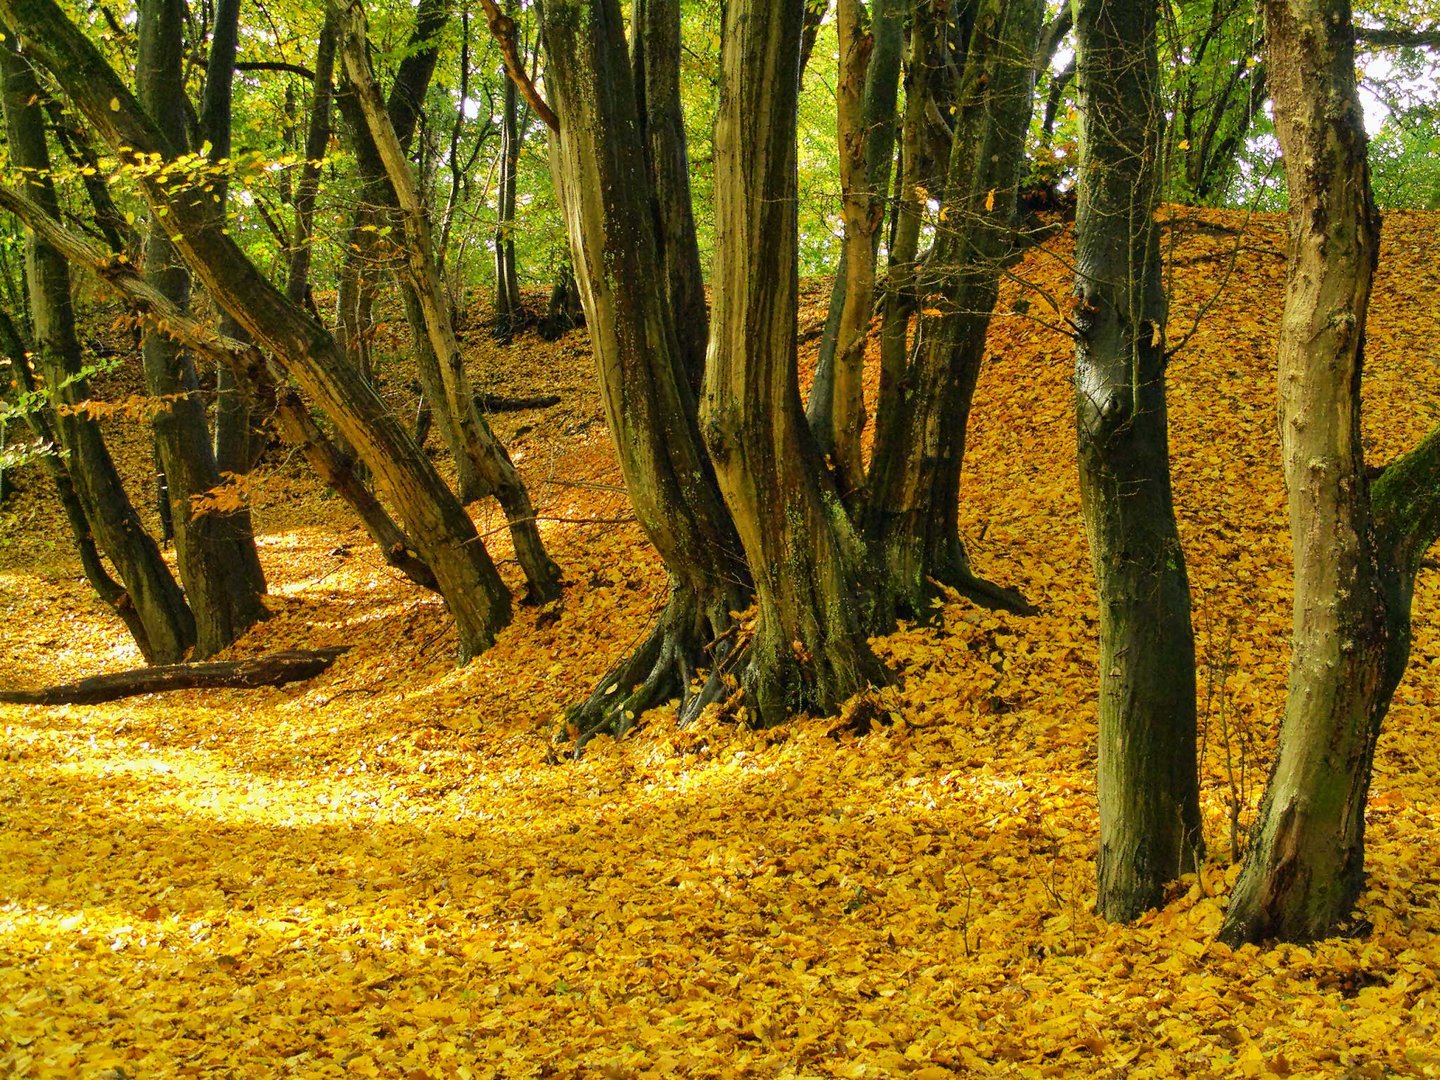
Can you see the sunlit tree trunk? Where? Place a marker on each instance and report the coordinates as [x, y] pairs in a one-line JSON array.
[[810, 651], [599, 165], [1148, 786], [432, 518], [165, 627], [217, 561], [1357, 546]]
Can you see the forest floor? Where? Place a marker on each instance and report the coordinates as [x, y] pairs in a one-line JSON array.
[[394, 869]]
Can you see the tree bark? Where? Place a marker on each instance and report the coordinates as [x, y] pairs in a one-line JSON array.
[[444, 535], [599, 164], [655, 57], [874, 140], [486, 454], [809, 651], [317, 143], [912, 518], [168, 626], [1357, 548], [1148, 786], [509, 304], [216, 556]]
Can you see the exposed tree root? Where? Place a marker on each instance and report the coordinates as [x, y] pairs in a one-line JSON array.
[[687, 637]]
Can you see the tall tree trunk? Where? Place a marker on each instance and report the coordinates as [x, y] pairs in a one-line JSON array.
[[1357, 547], [599, 165], [876, 143], [912, 518], [168, 626], [317, 142], [509, 305], [235, 436], [1148, 786], [486, 454], [215, 565], [655, 57], [442, 532], [810, 650]]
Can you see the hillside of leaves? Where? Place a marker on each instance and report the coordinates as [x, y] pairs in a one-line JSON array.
[[395, 870]]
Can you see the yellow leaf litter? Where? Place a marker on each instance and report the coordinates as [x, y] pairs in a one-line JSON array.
[[392, 871]]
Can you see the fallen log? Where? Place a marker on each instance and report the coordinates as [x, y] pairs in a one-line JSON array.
[[498, 403], [275, 669]]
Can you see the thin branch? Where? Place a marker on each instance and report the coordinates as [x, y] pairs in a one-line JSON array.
[[502, 28]]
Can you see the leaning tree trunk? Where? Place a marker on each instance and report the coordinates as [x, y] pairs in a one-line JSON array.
[[151, 591], [655, 52], [1148, 786], [599, 165], [1356, 548], [215, 552], [912, 516], [487, 456], [444, 536], [810, 650]]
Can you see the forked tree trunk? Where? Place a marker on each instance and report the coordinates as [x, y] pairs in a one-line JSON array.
[[485, 453], [912, 517], [215, 551], [168, 626], [442, 532], [599, 166], [1357, 548], [810, 651], [655, 57], [1148, 786]]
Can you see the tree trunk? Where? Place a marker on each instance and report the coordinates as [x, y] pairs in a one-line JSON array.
[[1356, 548], [485, 452], [655, 52], [810, 651], [444, 535], [317, 143], [912, 518], [168, 626], [1148, 787], [874, 142], [599, 165], [509, 305], [216, 558]]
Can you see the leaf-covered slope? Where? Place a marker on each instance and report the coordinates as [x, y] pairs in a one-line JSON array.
[[387, 872]]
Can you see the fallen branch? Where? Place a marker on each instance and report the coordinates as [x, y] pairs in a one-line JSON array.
[[498, 403], [276, 669]]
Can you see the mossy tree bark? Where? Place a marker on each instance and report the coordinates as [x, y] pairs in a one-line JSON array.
[[600, 169], [1357, 547], [436, 522], [166, 628], [215, 551], [810, 651], [912, 514], [1148, 786]]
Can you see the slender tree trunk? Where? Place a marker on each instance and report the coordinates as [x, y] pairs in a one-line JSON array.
[[912, 518], [317, 142], [1357, 547], [655, 53], [876, 143], [810, 650], [509, 305], [599, 166], [486, 454], [1148, 787], [215, 565], [236, 437], [168, 628], [444, 535]]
